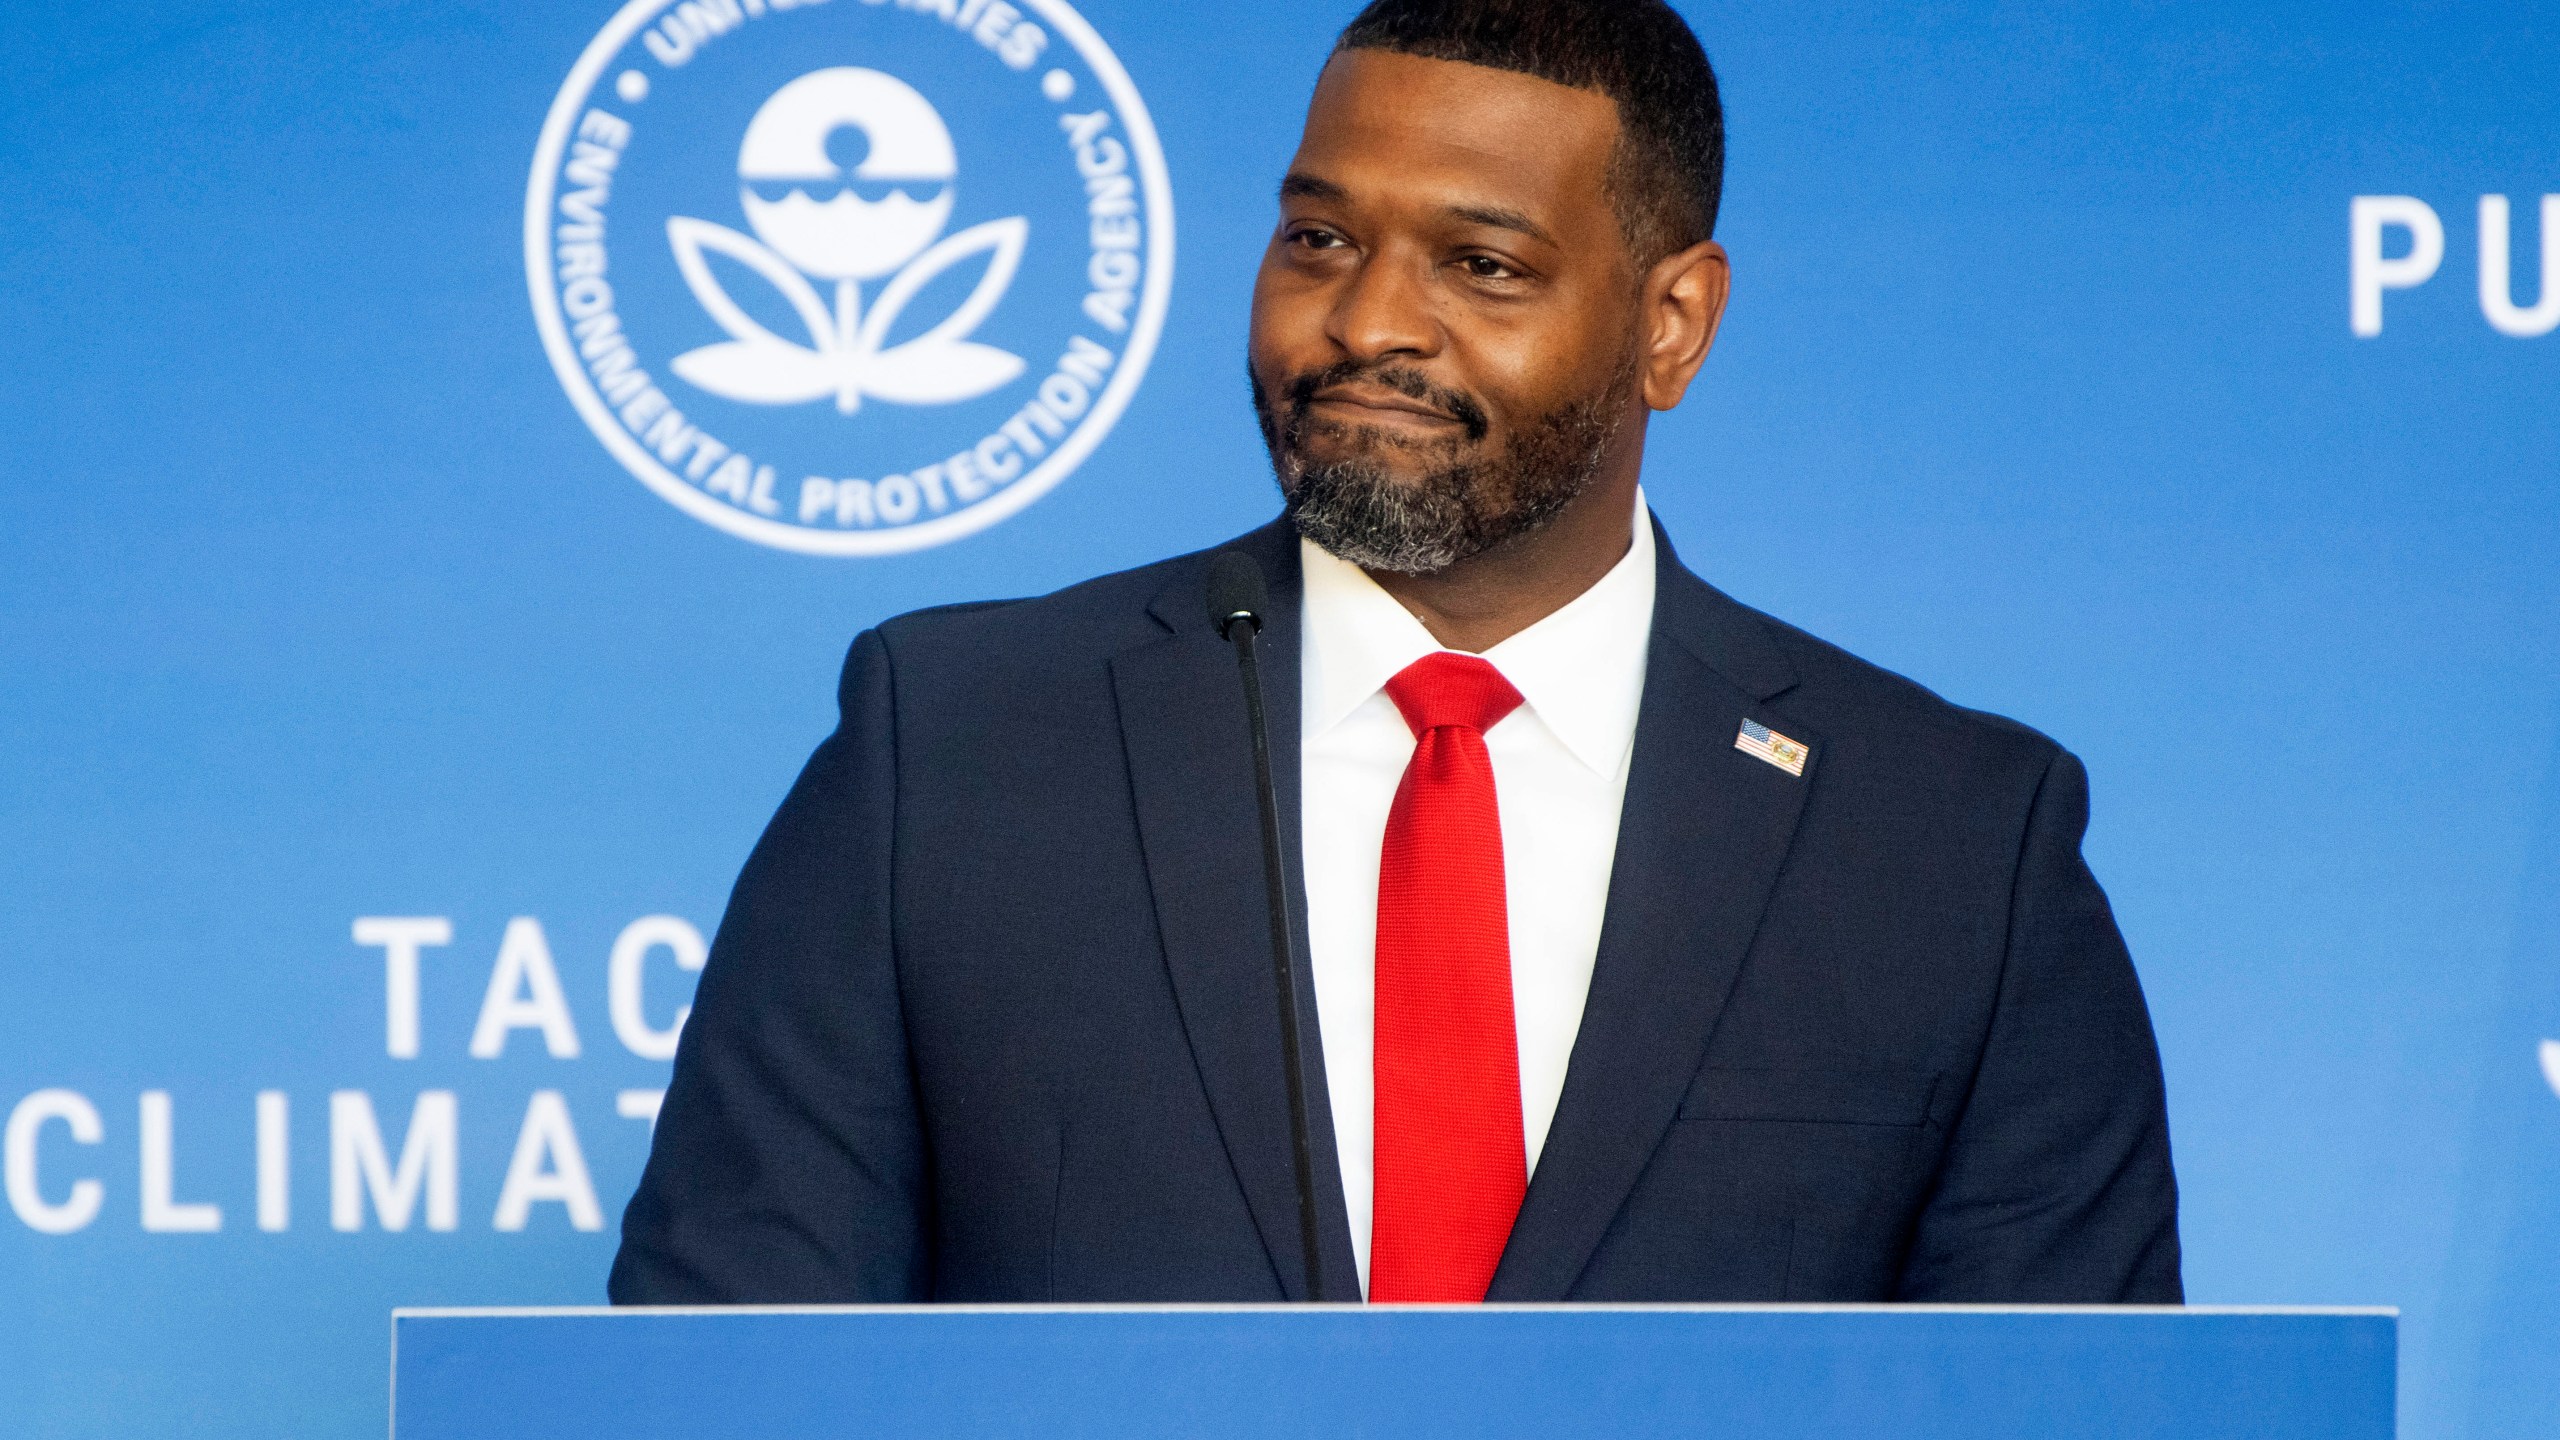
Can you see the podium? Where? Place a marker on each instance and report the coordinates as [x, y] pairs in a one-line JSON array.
[[1772, 1372]]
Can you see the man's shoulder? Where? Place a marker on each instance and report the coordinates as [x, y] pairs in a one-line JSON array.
[[1121, 596], [1088, 621], [1860, 710]]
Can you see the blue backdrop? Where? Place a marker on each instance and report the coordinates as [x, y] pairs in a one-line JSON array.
[[320, 601]]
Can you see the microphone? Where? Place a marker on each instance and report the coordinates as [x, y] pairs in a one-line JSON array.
[[1237, 599]]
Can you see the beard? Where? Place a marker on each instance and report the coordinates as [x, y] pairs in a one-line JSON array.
[[1464, 502]]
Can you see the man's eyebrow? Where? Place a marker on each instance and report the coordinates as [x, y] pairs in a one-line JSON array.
[[1502, 219], [1299, 185]]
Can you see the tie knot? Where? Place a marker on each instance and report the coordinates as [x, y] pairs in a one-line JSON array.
[[1451, 689]]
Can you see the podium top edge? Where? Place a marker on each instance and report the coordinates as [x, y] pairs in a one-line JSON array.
[[645, 1312]]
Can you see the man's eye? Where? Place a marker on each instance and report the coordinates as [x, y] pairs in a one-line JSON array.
[[1485, 267], [1318, 239]]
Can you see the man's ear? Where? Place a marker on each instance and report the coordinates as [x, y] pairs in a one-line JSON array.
[[1684, 295]]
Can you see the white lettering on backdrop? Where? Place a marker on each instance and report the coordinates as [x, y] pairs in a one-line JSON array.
[[2377, 225], [388, 1172]]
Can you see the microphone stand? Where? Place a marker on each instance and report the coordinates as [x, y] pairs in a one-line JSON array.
[[1237, 598]]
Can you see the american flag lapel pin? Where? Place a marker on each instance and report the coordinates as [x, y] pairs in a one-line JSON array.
[[1758, 739]]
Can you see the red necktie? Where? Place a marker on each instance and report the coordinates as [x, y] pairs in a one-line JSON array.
[[1451, 1163]]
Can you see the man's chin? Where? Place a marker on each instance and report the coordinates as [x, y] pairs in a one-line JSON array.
[[1374, 552]]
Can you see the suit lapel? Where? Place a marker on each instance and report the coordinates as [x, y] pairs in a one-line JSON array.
[[1701, 837], [1184, 729]]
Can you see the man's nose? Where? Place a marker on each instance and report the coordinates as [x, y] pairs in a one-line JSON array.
[[1385, 310]]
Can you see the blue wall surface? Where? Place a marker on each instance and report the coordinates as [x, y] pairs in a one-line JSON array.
[[320, 601]]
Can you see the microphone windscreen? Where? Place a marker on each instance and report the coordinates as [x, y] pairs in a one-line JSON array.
[[1235, 590]]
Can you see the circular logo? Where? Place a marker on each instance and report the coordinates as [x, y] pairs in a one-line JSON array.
[[849, 277]]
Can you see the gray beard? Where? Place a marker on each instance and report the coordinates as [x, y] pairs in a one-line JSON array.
[[1457, 508]]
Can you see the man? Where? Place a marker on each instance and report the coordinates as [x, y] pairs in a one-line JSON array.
[[1658, 951]]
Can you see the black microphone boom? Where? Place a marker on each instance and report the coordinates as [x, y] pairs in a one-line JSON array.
[[1237, 600]]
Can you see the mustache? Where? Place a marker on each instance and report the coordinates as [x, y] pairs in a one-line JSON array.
[[1301, 391]]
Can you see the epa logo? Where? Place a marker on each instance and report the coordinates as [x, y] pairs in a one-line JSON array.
[[905, 159], [849, 278]]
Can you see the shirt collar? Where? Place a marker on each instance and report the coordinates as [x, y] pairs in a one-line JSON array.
[[1580, 670]]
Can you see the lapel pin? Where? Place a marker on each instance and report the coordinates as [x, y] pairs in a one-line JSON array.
[[1758, 739]]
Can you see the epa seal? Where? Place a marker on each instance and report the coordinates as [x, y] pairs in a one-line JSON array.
[[849, 277]]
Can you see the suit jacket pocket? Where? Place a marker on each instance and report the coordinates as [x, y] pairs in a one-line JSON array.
[[1828, 1097]]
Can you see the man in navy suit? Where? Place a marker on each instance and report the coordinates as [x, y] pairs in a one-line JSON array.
[[1656, 950]]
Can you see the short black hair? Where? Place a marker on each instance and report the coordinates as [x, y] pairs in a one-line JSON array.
[[1667, 176]]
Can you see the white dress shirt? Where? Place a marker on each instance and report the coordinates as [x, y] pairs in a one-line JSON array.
[[1559, 775]]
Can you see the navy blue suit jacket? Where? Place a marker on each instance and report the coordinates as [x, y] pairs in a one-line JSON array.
[[991, 1014]]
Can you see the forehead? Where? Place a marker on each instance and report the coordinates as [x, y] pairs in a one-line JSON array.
[[1438, 131]]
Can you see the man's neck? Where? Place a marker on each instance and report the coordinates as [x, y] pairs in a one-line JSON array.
[[1486, 599]]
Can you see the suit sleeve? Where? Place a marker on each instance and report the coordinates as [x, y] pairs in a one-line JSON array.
[[2056, 1187], [788, 1164]]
